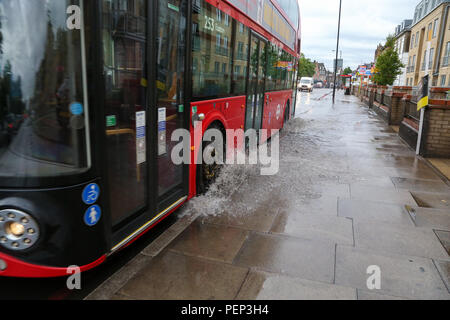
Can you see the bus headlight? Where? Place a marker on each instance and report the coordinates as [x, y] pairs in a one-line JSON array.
[[18, 230], [15, 229]]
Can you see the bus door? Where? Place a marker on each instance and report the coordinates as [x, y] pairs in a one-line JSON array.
[[256, 83], [144, 104], [172, 111], [124, 37]]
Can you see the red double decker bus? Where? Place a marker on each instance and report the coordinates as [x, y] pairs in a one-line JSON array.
[[90, 94]]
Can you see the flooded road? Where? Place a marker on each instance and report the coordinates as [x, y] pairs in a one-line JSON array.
[[349, 196]]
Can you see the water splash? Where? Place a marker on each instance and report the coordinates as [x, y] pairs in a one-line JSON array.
[[313, 153]]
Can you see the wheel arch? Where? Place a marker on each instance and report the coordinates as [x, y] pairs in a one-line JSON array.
[[214, 119]]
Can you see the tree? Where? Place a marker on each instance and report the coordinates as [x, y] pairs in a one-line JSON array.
[[347, 71], [388, 64], [306, 68]]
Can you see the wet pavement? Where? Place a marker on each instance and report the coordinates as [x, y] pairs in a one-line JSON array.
[[349, 195]]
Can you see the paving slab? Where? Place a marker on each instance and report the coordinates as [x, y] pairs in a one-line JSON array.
[[363, 210], [421, 185], [371, 295], [403, 240], [323, 205], [109, 288], [321, 227], [357, 180], [432, 200], [401, 276], [172, 276], [332, 189], [430, 218], [307, 259], [367, 170], [215, 242], [260, 219], [444, 238], [121, 297], [266, 286], [413, 173], [444, 270], [443, 165], [382, 195]]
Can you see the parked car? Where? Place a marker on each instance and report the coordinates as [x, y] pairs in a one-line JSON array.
[[306, 84]]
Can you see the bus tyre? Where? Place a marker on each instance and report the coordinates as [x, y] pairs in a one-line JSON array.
[[208, 173]]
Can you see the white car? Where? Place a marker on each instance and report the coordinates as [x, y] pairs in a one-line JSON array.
[[306, 84]]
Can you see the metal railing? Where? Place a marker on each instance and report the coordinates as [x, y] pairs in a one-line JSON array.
[[387, 101], [411, 110], [378, 97]]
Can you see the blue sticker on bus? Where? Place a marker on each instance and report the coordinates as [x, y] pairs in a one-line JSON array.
[[91, 193], [93, 215], [76, 108]]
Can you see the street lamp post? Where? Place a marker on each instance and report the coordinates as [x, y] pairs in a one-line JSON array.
[[337, 51]]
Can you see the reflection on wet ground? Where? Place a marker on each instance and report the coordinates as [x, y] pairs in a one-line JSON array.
[[349, 195]]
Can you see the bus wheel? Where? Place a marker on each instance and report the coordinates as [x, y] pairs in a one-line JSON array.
[[208, 173]]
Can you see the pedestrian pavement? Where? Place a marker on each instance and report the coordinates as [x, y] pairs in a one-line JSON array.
[[443, 165], [349, 195]]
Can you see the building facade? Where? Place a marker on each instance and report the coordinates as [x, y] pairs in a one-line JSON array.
[[378, 51], [429, 48], [402, 42], [321, 73]]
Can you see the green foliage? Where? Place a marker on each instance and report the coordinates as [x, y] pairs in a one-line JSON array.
[[388, 64], [347, 71], [390, 42], [306, 68]]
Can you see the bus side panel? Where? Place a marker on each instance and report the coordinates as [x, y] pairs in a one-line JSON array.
[[230, 112], [274, 110]]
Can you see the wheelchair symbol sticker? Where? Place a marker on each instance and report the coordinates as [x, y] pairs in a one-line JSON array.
[[91, 193], [92, 215]]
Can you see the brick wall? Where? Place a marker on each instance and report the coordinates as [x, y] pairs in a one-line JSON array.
[[380, 90], [438, 93], [436, 142], [371, 96], [402, 89], [396, 108]]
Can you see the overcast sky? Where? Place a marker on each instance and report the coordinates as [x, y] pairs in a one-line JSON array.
[[365, 23]]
